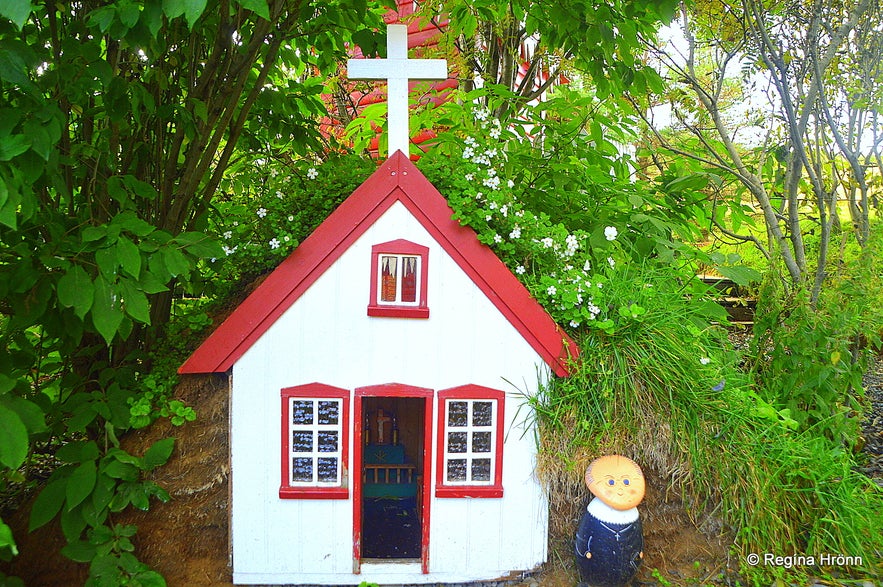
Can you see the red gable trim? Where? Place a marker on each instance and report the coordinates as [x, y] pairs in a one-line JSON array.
[[395, 180]]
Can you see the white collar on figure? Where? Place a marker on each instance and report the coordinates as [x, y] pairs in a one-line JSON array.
[[607, 514]]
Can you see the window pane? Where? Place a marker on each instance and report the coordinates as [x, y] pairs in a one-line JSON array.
[[482, 414], [481, 442], [457, 413], [388, 274], [301, 441], [328, 469], [457, 470], [409, 279], [456, 442], [302, 412], [327, 441], [329, 412], [302, 469], [481, 469]]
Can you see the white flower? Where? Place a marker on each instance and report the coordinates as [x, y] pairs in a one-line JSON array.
[[262, 212], [547, 242], [482, 114], [492, 182], [469, 141], [468, 152], [497, 238], [493, 205], [505, 210], [291, 217], [491, 153], [611, 261], [274, 243], [551, 290], [704, 360], [228, 234], [495, 132], [574, 323], [286, 238], [520, 213], [279, 194], [488, 217], [312, 173], [469, 177], [572, 245], [610, 233], [520, 270], [516, 232]]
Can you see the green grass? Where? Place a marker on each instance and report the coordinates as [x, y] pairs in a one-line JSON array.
[[667, 391]]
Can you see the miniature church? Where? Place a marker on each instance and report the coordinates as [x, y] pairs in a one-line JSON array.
[[378, 424]]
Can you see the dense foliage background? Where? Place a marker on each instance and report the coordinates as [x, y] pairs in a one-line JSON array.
[[157, 155]]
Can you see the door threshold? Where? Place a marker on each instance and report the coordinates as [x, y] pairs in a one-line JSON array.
[[391, 561]]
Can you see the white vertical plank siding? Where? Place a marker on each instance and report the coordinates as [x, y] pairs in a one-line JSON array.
[[327, 337]]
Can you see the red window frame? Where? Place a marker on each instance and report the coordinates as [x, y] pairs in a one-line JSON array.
[[420, 308], [470, 393], [317, 491]]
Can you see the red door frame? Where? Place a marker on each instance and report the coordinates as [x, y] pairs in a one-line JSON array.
[[392, 390]]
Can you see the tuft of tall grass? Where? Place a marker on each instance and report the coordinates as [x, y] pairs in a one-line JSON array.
[[666, 390]]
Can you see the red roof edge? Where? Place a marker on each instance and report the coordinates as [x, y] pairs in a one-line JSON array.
[[318, 252]]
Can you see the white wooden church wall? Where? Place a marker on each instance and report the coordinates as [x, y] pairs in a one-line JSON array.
[[327, 337]]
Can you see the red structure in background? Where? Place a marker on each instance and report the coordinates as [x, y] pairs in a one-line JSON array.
[[349, 102]]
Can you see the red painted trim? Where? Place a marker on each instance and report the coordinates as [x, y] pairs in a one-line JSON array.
[[315, 390], [397, 179], [357, 483], [391, 390], [399, 247], [471, 392], [427, 476]]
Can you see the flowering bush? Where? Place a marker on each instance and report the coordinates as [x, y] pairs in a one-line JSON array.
[[267, 208], [566, 261]]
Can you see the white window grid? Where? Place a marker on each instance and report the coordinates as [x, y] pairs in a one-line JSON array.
[[399, 279], [471, 455], [314, 429]]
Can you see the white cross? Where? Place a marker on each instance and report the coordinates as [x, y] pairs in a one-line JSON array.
[[397, 70]]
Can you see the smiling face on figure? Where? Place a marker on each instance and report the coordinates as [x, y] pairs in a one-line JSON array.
[[617, 481]]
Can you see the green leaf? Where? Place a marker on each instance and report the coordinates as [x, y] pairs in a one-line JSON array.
[[191, 9], [32, 416], [741, 274], [80, 484], [75, 290], [200, 245], [175, 262], [135, 302], [78, 451], [158, 454], [12, 146], [47, 504], [259, 7], [107, 315], [79, 551], [17, 11], [13, 439], [129, 256], [7, 541]]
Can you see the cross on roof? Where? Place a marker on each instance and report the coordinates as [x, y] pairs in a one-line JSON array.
[[397, 70]]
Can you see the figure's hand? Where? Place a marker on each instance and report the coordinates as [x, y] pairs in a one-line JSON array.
[[641, 554], [588, 555]]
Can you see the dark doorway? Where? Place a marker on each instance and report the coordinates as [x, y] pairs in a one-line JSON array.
[[393, 447]]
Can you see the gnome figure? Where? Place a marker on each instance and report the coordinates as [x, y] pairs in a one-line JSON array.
[[609, 544]]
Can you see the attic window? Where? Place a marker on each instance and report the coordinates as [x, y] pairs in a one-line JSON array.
[[470, 442], [399, 271], [315, 432]]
